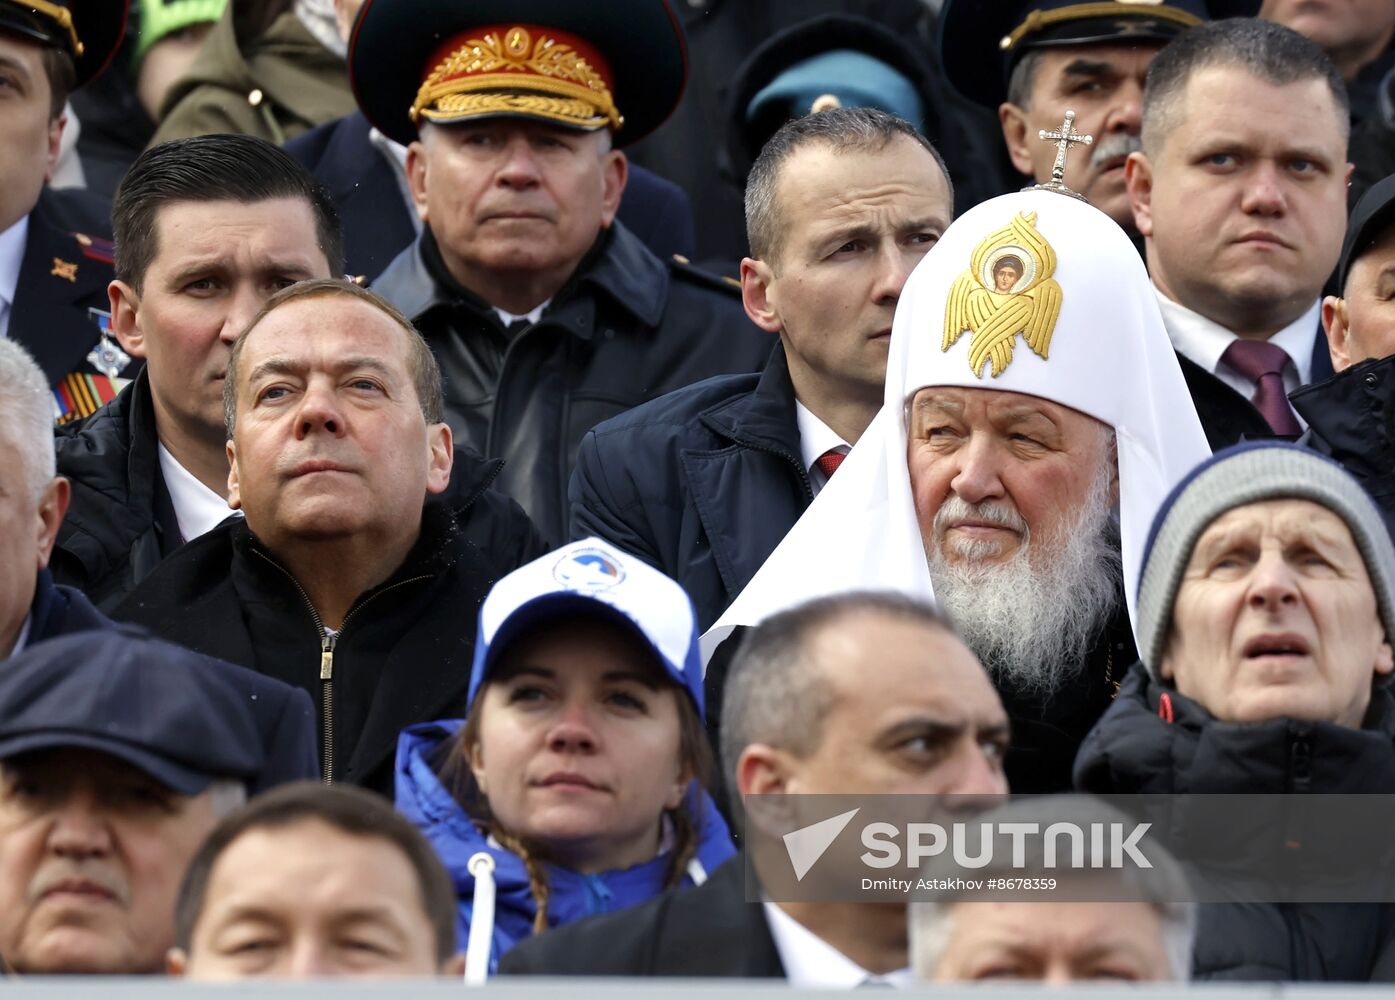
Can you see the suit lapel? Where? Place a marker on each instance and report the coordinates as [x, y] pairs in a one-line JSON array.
[[713, 931]]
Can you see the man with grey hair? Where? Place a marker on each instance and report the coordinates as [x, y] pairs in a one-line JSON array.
[[1240, 194], [547, 314], [1096, 923], [704, 482], [342, 578], [32, 504], [863, 693]]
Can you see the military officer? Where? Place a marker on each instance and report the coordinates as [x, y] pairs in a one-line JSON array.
[[546, 313], [55, 261]]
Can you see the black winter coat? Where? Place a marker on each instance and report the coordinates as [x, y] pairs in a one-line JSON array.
[[404, 653], [1135, 750], [1351, 418], [628, 327], [702, 483]]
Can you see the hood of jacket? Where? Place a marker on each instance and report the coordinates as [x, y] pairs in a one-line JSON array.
[[422, 798]]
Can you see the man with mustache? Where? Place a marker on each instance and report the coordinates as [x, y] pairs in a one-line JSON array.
[[546, 314], [342, 579], [1031, 62], [1240, 194], [118, 754]]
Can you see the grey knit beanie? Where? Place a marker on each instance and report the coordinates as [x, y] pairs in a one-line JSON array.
[[1244, 474]]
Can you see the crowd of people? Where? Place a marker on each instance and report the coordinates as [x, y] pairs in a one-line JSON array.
[[413, 564]]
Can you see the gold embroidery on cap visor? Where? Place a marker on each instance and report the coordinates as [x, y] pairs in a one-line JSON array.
[[516, 74], [62, 15], [1008, 289], [1039, 20]]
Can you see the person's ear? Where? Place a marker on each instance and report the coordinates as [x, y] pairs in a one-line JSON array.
[[176, 962], [1335, 325], [55, 144], [440, 457], [1138, 179], [417, 177], [1385, 662], [763, 770], [757, 277], [124, 303], [474, 756], [234, 487], [1016, 137], [53, 504], [615, 173]]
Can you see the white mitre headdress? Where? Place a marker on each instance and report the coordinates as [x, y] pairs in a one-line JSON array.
[[1079, 327]]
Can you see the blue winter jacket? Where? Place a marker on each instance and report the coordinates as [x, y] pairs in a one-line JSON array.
[[425, 802]]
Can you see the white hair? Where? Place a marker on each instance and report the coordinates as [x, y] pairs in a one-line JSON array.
[[226, 795], [1011, 613], [26, 415]]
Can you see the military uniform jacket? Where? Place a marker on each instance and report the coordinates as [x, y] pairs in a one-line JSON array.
[[702, 483], [376, 216], [63, 278], [628, 327]]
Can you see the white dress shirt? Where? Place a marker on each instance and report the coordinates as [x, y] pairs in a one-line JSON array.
[[810, 961], [1203, 341], [22, 639], [815, 438], [197, 508], [12, 242]]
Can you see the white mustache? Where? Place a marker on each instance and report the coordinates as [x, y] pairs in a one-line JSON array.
[[1114, 145], [57, 872], [999, 512]]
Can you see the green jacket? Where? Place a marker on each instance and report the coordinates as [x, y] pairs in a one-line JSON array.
[[276, 86]]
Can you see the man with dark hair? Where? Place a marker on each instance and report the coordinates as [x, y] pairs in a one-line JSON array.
[[547, 315], [1240, 193], [858, 694], [329, 881], [54, 265], [704, 482], [207, 229], [1033, 62], [342, 579]]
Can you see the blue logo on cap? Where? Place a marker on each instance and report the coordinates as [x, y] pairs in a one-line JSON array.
[[588, 570]]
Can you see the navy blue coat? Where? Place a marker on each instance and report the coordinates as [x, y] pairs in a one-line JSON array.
[[702, 483], [375, 214]]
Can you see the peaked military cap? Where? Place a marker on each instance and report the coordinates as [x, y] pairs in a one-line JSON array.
[[88, 30], [588, 66], [980, 43]]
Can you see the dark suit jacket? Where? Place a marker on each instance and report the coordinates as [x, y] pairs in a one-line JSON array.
[[707, 931], [702, 483], [377, 226], [64, 274], [1228, 417]]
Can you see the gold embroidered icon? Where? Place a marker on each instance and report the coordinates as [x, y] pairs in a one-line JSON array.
[[1008, 289], [64, 269]]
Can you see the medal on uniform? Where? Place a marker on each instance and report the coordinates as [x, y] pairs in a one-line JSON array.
[[107, 357]]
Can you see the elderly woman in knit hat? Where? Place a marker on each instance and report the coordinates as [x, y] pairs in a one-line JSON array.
[[1265, 609]]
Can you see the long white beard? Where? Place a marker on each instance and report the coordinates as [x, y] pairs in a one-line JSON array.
[[1033, 618]]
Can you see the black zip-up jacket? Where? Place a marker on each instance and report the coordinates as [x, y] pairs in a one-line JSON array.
[[404, 651], [626, 328], [1142, 746]]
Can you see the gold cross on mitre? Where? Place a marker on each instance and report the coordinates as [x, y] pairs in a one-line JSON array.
[[1065, 137]]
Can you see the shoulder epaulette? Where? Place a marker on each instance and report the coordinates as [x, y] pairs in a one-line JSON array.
[[95, 248], [681, 265]]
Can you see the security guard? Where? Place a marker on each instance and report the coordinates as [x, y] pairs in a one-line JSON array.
[[1033, 60], [55, 260], [546, 314]]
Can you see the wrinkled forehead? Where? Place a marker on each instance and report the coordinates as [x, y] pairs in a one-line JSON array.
[[322, 333], [1288, 519], [996, 406]]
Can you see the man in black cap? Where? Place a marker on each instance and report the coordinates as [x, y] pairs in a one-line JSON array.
[[53, 272], [1034, 60], [118, 754], [545, 314], [1348, 414]]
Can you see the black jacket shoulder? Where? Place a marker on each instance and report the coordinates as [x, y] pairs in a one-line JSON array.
[[707, 931]]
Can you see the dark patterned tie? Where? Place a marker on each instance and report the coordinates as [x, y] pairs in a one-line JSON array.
[[1263, 364], [829, 461]]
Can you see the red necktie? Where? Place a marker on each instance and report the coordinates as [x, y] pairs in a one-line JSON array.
[[829, 461], [1263, 364]]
